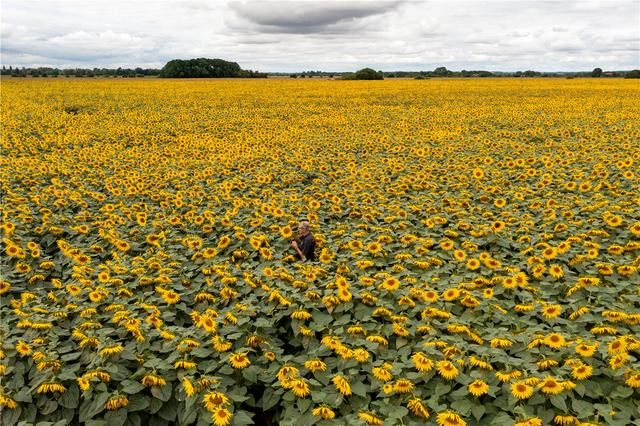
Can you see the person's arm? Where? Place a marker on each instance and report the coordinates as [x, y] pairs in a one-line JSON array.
[[300, 253]]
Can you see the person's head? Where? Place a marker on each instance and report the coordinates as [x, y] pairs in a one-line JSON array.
[[303, 227]]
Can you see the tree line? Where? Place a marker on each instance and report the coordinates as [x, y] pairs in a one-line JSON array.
[[177, 68], [78, 72], [219, 68]]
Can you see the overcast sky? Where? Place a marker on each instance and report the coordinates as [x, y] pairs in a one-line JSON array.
[[325, 35]]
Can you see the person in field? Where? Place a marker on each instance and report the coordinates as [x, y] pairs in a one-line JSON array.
[[305, 244]]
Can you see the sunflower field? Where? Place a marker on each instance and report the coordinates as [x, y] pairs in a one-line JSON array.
[[478, 247]]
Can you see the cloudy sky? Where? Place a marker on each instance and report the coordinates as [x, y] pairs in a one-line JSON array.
[[326, 35]]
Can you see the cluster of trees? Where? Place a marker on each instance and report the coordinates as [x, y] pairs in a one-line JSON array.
[[365, 74], [206, 68], [78, 72]]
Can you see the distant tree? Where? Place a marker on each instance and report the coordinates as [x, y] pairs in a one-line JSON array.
[[368, 74], [204, 68], [632, 74], [597, 72], [293, 76], [441, 72]]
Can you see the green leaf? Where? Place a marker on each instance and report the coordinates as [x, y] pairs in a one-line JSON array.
[[269, 399], [251, 373], [131, 387], [463, 406], [163, 393], [117, 417], [95, 406], [304, 405], [138, 402], [23, 395], [441, 389], [11, 417], [558, 402], [169, 411], [187, 413], [359, 389], [398, 412], [71, 398], [241, 418], [621, 392], [478, 411]]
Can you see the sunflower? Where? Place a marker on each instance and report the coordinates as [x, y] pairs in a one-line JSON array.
[[556, 271], [224, 242], [403, 386], [342, 385], [477, 173], [171, 297], [23, 348], [315, 365], [324, 412], [498, 226], [555, 340], [531, 421], [459, 255], [286, 232], [153, 380], [185, 364], [374, 248], [550, 386], [239, 360], [382, 374], [451, 294], [478, 388], [550, 253], [370, 418], [390, 284], [550, 312], [51, 388], [116, 402], [449, 418], [209, 253], [617, 346], [300, 388], [473, 264], [422, 362], [221, 417], [447, 370], [582, 371], [214, 400], [633, 379], [189, 388], [430, 296], [521, 390]]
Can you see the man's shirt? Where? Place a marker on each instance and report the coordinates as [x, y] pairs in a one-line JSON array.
[[307, 246]]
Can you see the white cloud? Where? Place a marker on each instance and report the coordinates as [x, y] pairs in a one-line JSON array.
[[331, 35]]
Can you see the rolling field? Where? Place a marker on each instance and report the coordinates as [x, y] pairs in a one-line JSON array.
[[478, 252]]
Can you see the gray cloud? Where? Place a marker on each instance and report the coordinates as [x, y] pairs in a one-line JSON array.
[[305, 17], [331, 35]]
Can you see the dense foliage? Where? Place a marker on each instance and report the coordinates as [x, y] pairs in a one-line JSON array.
[[364, 74], [205, 68], [478, 242]]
